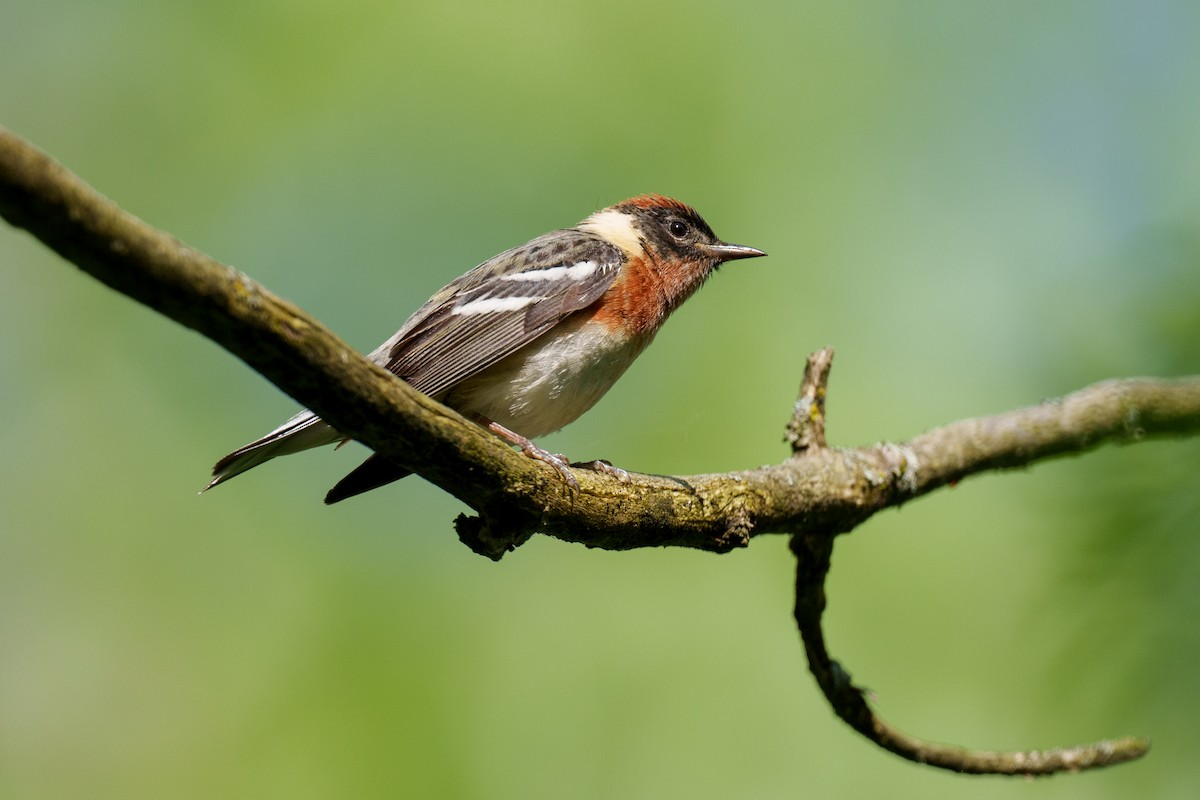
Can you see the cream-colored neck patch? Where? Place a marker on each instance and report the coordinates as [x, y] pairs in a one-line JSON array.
[[616, 227]]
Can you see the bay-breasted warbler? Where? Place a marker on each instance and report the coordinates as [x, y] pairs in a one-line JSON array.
[[530, 339]]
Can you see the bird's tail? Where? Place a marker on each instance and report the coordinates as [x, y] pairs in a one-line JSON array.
[[301, 432], [376, 471]]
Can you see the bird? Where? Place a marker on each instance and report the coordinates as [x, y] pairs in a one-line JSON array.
[[529, 340]]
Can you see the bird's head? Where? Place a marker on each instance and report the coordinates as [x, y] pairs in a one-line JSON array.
[[674, 230], [668, 240]]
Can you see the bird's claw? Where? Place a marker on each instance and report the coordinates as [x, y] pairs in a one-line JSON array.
[[603, 467]]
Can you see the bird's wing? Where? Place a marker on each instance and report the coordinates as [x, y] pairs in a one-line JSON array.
[[500, 306]]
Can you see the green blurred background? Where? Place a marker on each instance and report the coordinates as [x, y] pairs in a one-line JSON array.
[[979, 204]]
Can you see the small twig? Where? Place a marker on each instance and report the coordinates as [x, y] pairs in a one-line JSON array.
[[806, 428]]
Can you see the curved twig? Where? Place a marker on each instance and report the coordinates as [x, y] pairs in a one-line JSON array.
[[849, 701]]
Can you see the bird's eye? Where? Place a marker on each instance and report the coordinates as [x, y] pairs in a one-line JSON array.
[[678, 228]]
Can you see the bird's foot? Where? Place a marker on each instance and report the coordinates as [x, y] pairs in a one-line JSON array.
[[556, 460]]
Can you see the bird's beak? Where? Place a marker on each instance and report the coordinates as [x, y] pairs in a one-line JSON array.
[[732, 252]]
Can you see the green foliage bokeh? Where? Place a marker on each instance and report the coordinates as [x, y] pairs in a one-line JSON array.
[[980, 205]]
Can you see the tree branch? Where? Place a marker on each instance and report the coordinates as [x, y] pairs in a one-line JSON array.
[[818, 489], [815, 494]]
